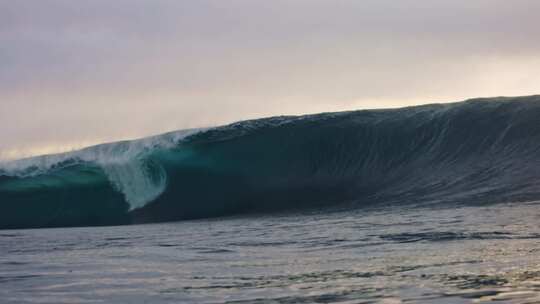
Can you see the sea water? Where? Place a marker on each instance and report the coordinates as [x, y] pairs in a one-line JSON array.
[[385, 254]]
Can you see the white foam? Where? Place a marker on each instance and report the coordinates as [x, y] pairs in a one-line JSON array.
[[140, 180]]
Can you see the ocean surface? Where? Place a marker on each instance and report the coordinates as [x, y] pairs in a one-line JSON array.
[[392, 254], [429, 204]]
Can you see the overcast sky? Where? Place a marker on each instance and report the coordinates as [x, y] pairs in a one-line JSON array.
[[74, 73]]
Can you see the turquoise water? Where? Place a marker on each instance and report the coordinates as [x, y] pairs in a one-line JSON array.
[[387, 254], [474, 152]]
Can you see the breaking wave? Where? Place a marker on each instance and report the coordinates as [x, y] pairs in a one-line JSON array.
[[473, 152]]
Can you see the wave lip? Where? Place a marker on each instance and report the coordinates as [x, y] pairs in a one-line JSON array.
[[477, 151]]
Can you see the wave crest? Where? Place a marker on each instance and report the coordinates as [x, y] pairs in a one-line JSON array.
[[478, 151]]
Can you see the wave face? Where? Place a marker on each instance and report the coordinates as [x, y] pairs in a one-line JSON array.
[[473, 152]]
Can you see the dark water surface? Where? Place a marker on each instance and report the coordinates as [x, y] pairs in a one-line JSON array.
[[384, 255]]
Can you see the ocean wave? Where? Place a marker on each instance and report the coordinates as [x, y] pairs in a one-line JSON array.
[[478, 151]]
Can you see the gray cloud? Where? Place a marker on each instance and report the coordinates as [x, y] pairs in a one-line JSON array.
[[78, 72]]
